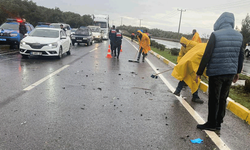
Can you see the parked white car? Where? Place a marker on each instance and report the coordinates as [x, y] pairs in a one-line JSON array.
[[46, 42], [97, 33]]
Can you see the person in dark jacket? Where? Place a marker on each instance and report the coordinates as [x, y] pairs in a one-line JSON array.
[[118, 42], [22, 28], [223, 58], [112, 34]]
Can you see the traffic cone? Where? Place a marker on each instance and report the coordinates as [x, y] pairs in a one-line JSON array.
[[121, 49], [109, 53]]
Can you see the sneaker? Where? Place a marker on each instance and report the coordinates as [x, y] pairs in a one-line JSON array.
[[206, 126], [197, 100], [177, 93]]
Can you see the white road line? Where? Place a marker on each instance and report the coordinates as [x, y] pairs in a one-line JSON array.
[[45, 78], [214, 137]]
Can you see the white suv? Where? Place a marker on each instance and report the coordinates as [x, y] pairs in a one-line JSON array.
[[247, 50]]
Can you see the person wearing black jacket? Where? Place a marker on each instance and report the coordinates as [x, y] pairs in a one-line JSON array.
[[112, 34], [118, 42], [22, 29]]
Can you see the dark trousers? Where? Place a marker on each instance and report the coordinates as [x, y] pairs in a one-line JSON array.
[[143, 55], [112, 46], [118, 49], [219, 87], [180, 86]]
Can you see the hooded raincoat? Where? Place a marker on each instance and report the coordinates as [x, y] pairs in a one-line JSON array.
[[189, 44], [196, 38], [144, 42], [187, 67]]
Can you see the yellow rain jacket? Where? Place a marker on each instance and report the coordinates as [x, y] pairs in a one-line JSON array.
[[189, 44], [186, 69], [144, 42], [196, 38]]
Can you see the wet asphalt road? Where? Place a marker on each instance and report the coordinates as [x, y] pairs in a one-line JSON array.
[[87, 101]]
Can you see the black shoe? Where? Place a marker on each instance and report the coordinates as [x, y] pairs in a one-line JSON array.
[[177, 93], [197, 100], [206, 126], [117, 57]]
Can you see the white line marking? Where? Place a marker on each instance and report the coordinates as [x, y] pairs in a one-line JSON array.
[[45, 78], [214, 137]]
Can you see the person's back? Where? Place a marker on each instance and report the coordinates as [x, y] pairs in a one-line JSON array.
[[228, 42]]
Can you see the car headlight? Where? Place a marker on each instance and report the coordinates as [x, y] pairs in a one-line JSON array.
[[53, 45], [22, 43], [13, 34]]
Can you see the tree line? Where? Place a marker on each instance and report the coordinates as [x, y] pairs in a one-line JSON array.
[[34, 14]]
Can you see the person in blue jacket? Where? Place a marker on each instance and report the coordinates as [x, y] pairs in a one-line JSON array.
[[112, 34], [118, 42], [223, 58]]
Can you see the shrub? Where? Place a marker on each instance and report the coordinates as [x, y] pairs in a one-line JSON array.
[[175, 51]]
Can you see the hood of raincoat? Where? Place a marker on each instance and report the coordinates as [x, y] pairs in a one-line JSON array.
[[184, 40], [188, 65], [226, 20], [139, 31]]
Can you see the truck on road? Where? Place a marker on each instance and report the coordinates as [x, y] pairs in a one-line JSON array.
[[103, 22]]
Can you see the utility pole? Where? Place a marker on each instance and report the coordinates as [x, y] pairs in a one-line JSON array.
[[140, 22], [121, 21], [180, 22]]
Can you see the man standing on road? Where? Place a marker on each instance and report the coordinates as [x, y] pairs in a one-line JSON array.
[[223, 58], [22, 28], [179, 72], [196, 36], [144, 45], [118, 42], [112, 34]]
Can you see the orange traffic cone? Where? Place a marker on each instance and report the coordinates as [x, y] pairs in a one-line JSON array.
[[121, 49], [109, 53]]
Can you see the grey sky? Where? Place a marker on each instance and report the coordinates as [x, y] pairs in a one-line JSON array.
[[161, 14]]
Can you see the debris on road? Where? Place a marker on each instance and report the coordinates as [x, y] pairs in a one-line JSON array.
[[99, 89]]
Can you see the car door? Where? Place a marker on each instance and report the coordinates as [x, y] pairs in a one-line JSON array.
[[63, 40]]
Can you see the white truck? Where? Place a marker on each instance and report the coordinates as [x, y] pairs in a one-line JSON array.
[[103, 22]]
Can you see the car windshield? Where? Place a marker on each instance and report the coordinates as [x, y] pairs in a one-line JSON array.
[[45, 33], [10, 26], [101, 24], [55, 26], [82, 32], [93, 29]]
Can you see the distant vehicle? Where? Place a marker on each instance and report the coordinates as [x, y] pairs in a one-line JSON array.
[[9, 32], [46, 42], [103, 22], [247, 50], [73, 30], [82, 35], [97, 33], [42, 25], [65, 26]]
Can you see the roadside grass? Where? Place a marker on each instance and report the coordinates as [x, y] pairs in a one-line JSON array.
[[237, 93]]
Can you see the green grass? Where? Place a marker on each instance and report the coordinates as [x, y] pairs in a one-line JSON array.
[[237, 93]]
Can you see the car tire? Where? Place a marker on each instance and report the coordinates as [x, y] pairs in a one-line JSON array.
[[91, 43], [60, 53], [88, 43], [69, 51], [247, 53]]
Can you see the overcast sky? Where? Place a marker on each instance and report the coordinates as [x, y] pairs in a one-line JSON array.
[[162, 14]]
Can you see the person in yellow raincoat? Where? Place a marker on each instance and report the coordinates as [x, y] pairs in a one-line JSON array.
[[196, 36], [185, 70], [186, 46], [144, 45]]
